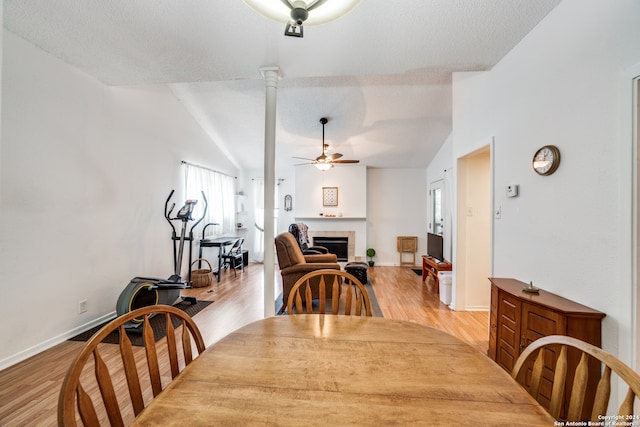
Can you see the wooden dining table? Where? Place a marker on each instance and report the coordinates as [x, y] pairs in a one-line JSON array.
[[312, 369]]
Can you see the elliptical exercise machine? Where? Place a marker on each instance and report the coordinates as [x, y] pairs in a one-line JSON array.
[[145, 291]]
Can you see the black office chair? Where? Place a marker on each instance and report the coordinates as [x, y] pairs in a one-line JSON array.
[[300, 232], [233, 257]]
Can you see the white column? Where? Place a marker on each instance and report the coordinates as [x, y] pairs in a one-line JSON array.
[[270, 75]]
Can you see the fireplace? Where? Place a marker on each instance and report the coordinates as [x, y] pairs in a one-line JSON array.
[[350, 237], [335, 245]]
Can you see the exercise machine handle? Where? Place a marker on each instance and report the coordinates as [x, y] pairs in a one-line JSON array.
[[167, 211], [204, 212]]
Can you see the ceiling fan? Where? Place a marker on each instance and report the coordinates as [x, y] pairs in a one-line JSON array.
[[326, 161]]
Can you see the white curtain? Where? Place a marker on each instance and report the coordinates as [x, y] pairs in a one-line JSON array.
[[258, 203], [220, 191]]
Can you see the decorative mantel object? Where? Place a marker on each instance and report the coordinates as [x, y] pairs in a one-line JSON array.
[[329, 196]]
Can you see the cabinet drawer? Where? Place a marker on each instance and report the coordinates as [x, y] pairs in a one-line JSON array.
[[508, 329], [509, 309]]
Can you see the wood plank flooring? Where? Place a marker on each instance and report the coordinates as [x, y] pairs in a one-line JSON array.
[[29, 390]]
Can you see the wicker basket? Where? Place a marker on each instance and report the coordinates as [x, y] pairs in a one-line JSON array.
[[201, 277]]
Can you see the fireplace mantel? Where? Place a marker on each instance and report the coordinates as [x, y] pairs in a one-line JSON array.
[[344, 226], [323, 218]]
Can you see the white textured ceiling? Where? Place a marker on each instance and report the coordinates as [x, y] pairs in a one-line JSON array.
[[381, 74]]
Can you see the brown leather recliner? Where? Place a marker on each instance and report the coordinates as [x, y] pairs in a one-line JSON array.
[[293, 264]]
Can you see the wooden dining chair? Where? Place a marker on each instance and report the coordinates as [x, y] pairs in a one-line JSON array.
[[558, 344], [352, 300], [103, 390]]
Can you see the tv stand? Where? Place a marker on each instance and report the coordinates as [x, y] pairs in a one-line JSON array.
[[431, 267]]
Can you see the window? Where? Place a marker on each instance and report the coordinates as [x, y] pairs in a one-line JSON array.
[[220, 190], [437, 208]]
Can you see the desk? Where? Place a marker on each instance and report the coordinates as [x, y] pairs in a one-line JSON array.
[[342, 370], [431, 267], [219, 243]]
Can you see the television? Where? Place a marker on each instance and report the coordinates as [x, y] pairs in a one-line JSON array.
[[435, 246]]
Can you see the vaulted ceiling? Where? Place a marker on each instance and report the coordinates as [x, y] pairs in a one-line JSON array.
[[381, 74]]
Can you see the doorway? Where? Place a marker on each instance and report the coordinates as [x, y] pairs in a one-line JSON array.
[[473, 241]]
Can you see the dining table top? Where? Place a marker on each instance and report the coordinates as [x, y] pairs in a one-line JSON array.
[[312, 369]]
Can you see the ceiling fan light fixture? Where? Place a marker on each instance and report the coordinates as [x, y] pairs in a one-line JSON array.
[[326, 12], [323, 166], [325, 162]]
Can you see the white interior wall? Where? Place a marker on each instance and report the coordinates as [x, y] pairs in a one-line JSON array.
[[380, 204], [351, 212], [396, 206], [286, 186], [352, 191], [85, 172], [561, 85], [1, 34]]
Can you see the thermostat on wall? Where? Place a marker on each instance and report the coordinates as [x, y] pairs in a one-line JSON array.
[[512, 190]]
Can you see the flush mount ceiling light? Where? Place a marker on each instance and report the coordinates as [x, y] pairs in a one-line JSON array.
[[295, 13]]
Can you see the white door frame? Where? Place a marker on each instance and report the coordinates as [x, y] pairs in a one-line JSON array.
[[629, 238], [635, 208], [458, 257]]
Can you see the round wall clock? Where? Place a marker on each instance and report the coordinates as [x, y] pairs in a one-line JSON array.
[[546, 160]]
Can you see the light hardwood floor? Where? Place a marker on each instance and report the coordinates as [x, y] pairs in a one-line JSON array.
[[29, 390]]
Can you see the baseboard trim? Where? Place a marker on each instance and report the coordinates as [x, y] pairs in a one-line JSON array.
[[32, 351], [477, 308]]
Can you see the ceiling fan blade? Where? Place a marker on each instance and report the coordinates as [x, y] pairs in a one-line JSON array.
[[302, 164], [346, 161], [287, 3], [334, 156], [315, 4], [303, 158]]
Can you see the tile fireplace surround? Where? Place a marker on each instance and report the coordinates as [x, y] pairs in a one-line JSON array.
[[351, 235]]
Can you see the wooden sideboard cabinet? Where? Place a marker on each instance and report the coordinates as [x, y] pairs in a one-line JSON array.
[[517, 318]]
